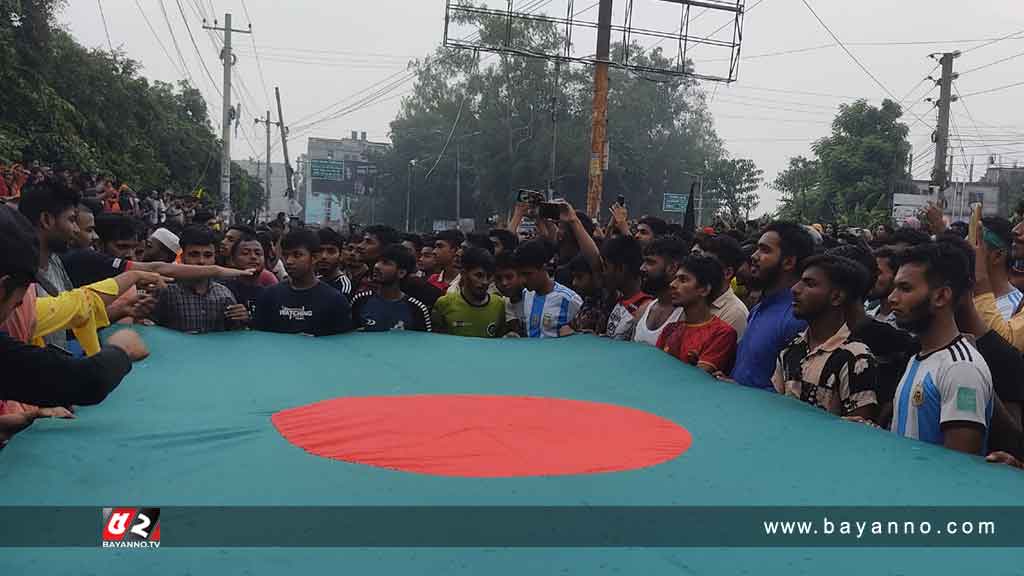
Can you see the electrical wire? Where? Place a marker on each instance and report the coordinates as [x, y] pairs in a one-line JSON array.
[[848, 52], [105, 29], [991, 90], [196, 46], [163, 47], [968, 110], [990, 64], [993, 41], [259, 64], [174, 40]]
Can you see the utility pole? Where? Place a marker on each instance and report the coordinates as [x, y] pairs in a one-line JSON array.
[[940, 176], [288, 171], [408, 194], [228, 59], [599, 126], [268, 124], [554, 131], [458, 183]]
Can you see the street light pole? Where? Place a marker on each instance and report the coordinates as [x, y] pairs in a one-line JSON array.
[[408, 195], [458, 184]]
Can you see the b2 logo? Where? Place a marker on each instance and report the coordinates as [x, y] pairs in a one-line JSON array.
[[131, 525]]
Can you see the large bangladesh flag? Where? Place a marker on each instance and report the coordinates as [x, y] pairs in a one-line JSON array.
[[424, 454]]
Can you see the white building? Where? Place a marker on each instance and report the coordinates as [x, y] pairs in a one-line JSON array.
[[337, 173]]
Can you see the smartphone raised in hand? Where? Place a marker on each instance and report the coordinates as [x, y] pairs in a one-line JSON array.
[[550, 210]]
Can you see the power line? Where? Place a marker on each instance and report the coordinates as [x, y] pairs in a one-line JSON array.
[[196, 46], [993, 41], [990, 90], [174, 40], [968, 110], [847, 50], [158, 40], [259, 64], [1000, 61], [105, 29], [406, 76]]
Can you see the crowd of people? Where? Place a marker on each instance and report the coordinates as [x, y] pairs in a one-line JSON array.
[[917, 331]]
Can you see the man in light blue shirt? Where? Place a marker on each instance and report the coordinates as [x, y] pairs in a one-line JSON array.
[[774, 268]]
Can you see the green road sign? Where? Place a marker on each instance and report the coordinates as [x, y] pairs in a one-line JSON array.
[[333, 170], [674, 202]]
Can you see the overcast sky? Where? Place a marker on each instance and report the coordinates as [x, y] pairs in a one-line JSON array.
[[323, 52]]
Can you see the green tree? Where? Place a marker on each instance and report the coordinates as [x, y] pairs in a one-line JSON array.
[[65, 105], [801, 198], [658, 128], [731, 188], [862, 160]]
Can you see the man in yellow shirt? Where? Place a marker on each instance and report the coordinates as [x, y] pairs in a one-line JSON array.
[[985, 299]]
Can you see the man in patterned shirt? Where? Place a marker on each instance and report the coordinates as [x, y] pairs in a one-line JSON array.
[[202, 305], [822, 366]]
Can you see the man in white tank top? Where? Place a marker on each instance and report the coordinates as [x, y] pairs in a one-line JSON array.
[[661, 260]]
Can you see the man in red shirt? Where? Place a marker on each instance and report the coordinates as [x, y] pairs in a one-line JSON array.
[[446, 244], [702, 340]]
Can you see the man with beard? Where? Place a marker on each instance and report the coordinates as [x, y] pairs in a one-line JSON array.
[[702, 340], [661, 260], [986, 284], [163, 246], [387, 308], [781, 250], [375, 239], [86, 237], [51, 208], [885, 260], [473, 310], [945, 396], [42, 376], [328, 262], [890, 346], [823, 367], [303, 305]]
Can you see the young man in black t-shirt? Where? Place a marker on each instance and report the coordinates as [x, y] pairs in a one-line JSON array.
[[303, 305], [388, 308], [328, 262]]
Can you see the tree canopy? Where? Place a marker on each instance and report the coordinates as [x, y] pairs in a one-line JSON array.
[[64, 105], [855, 168], [505, 110]]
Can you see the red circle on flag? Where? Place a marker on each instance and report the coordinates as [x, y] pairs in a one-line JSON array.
[[483, 436]]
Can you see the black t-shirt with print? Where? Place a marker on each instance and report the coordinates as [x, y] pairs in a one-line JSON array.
[[319, 311]]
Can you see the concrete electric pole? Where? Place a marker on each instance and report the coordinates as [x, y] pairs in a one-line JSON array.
[[268, 124], [228, 59], [940, 176], [288, 171]]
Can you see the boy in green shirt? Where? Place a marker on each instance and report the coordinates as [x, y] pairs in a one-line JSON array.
[[472, 311]]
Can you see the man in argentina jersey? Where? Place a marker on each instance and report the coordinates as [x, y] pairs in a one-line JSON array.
[[945, 396], [549, 306]]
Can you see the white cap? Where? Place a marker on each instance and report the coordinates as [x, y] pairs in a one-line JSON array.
[[167, 238]]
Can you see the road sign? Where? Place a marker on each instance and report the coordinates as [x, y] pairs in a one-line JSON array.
[[674, 202], [333, 170]]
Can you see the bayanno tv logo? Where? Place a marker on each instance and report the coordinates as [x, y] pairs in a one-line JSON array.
[[131, 527]]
